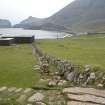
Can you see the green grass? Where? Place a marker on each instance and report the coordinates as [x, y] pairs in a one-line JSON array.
[[79, 50], [16, 65]]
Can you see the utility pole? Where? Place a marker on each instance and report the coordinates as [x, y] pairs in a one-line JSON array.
[[57, 36]]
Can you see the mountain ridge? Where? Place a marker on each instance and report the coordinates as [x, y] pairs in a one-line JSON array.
[[79, 16]]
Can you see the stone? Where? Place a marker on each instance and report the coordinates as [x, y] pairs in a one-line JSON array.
[[11, 89], [3, 88], [40, 103], [56, 78], [70, 76], [92, 75], [62, 82], [87, 68], [52, 83], [87, 98], [91, 79], [56, 73], [80, 103], [103, 78], [45, 68], [44, 80], [36, 67], [36, 97], [22, 98], [100, 85], [18, 90], [79, 90], [80, 76], [27, 90]]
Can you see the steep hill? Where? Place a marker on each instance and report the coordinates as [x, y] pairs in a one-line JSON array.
[[80, 15], [5, 23], [30, 22], [36, 23]]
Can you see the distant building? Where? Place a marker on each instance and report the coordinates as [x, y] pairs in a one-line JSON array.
[[82, 33], [10, 39], [20, 39], [6, 41]]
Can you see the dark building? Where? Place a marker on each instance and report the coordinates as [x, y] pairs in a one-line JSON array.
[[6, 41], [21, 39]]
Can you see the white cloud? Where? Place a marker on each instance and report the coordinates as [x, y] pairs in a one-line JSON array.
[[16, 10]]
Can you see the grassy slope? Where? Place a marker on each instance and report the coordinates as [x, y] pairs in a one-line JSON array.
[[16, 65], [80, 50]]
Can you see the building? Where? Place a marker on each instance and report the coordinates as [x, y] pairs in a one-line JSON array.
[[6, 41], [20, 39]]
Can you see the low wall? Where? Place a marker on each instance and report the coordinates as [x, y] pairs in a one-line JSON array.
[[75, 74]]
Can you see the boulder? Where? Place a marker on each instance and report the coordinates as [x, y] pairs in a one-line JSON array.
[[11, 89], [27, 90], [79, 90], [18, 90], [52, 83], [87, 98], [36, 97], [21, 99], [92, 75], [3, 88], [70, 76], [100, 85], [87, 68], [62, 83], [80, 103], [40, 103]]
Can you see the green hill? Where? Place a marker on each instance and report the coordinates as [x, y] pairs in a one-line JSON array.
[[79, 16]]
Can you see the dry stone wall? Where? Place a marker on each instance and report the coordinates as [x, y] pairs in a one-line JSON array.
[[74, 74]]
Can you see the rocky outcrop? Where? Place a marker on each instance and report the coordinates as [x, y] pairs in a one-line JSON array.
[[5, 23], [79, 90], [80, 103], [84, 96]]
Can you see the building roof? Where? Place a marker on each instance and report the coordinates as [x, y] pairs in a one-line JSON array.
[[6, 39], [17, 36]]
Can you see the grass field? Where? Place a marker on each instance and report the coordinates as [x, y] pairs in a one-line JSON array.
[[16, 63], [79, 50]]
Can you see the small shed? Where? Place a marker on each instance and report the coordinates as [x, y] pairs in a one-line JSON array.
[[20, 39], [6, 41]]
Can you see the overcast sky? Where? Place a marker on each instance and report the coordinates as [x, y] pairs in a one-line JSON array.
[[17, 10]]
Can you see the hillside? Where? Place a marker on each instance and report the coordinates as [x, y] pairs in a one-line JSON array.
[[30, 23], [37, 24], [79, 16], [5, 23], [82, 15]]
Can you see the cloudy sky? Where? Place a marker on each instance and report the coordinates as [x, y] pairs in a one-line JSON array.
[[17, 10]]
